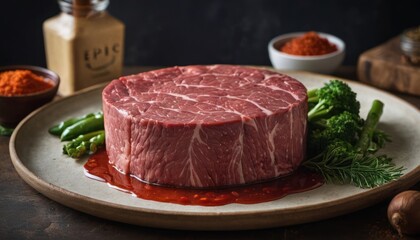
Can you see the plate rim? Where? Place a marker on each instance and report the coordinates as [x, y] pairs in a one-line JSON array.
[[270, 217]]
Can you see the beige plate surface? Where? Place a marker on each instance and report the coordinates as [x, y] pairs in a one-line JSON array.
[[38, 159]]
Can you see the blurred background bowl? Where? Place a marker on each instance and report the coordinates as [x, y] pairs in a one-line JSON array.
[[325, 63], [14, 108]]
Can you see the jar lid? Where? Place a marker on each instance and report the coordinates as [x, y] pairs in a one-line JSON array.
[[410, 41], [81, 8]]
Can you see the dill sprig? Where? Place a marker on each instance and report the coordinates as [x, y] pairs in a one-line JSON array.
[[350, 167]]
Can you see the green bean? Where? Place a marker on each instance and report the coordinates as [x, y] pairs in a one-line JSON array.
[[97, 141], [79, 150], [87, 125], [82, 144], [59, 128]]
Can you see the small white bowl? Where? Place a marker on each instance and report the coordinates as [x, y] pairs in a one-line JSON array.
[[325, 63]]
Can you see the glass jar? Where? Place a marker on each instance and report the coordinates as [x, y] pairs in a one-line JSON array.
[[410, 44], [84, 44]]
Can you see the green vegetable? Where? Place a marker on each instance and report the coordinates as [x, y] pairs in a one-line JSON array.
[[5, 131], [347, 162], [333, 114], [85, 134], [59, 128], [86, 125], [345, 126], [86, 143], [335, 97], [369, 128], [97, 141]]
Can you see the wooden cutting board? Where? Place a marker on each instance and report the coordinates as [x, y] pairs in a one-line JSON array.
[[386, 67]]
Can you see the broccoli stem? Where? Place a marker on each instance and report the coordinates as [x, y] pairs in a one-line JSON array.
[[313, 95], [319, 111], [369, 127]]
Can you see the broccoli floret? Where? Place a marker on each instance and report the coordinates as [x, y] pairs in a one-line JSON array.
[[333, 98], [345, 126]]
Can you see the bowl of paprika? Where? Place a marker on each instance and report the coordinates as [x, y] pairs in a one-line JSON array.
[[24, 89], [307, 51]]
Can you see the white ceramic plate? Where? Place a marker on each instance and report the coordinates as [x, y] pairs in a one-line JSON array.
[[38, 159]]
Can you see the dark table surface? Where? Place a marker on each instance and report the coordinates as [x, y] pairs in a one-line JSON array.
[[27, 214]]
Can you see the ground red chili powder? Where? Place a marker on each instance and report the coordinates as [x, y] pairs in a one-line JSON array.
[[308, 45], [20, 82]]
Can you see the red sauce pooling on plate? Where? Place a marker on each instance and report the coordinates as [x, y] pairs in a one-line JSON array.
[[300, 181]]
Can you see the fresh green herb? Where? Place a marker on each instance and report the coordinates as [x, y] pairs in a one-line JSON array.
[[343, 164], [5, 131], [341, 145]]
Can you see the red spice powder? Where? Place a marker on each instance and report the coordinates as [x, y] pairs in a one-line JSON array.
[[20, 82], [309, 44]]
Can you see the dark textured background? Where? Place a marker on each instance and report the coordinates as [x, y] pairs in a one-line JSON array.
[[170, 32]]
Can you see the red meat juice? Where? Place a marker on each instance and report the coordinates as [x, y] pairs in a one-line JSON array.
[[98, 167]]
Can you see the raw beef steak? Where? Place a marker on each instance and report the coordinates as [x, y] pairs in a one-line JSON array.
[[205, 126]]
